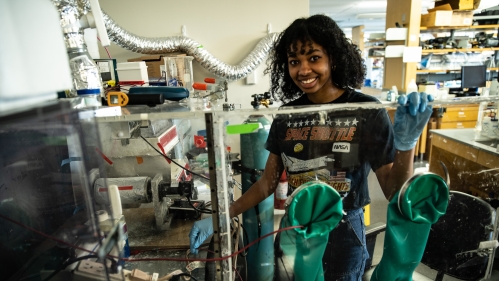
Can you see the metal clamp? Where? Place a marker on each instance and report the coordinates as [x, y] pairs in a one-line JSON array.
[[161, 205], [408, 183]]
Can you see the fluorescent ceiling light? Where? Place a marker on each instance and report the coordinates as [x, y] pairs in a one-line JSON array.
[[371, 16], [371, 4]]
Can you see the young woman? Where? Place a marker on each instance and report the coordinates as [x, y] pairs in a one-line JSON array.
[[313, 63]]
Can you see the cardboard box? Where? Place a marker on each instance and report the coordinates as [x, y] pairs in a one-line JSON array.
[[154, 63], [437, 18], [444, 16], [465, 5], [462, 18], [429, 89]]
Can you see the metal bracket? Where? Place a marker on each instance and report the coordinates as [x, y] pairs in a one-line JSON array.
[[489, 228], [495, 236], [214, 198], [161, 205]]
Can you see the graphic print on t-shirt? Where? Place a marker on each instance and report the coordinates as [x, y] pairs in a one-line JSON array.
[[321, 147]]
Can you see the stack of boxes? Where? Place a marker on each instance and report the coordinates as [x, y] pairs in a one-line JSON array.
[[172, 70], [450, 13]]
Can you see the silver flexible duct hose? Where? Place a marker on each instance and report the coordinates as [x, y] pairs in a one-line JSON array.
[[86, 75], [70, 23], [162, 45], [143, 45]]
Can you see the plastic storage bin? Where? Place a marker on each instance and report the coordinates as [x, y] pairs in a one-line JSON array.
[[132, 72], [177, 71]]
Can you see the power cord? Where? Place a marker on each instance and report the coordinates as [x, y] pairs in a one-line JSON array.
[[171, 160], [244, 253], [150, 259], [177, 277], [204, 211]]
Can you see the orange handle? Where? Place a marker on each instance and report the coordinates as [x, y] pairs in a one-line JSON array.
[[210, 80], [200, 86]]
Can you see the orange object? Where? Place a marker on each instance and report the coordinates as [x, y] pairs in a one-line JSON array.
[[200, 86], [140, 160], [210, 80], [199, 142], [117, 99]]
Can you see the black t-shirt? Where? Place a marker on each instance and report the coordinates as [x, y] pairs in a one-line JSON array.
[[338, 147]]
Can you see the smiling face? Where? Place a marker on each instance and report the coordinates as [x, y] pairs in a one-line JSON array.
[[310, 68]]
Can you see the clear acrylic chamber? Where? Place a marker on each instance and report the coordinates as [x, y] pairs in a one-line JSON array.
[[208, 133], [47, 213], [159, 156]]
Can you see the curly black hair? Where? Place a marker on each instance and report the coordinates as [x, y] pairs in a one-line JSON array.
[[349, 72]]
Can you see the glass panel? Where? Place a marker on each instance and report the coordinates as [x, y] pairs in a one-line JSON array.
[[47, 213], [158, 157], [335, 144], [176, 163]]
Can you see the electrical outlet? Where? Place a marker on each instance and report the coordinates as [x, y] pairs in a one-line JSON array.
[[251, 78], [90, 271]]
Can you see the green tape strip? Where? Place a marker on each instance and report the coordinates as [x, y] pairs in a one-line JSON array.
[[242, 128]]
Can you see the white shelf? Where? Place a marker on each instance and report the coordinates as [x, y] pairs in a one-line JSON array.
[[396, 34]]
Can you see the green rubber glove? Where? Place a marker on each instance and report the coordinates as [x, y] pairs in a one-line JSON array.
[[408, 227], [319, 208]]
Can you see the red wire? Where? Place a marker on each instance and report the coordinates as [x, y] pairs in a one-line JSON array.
[[45, 235], [107, 51], [164, 154], [150, 259], [105, 48], [233, 267], [104, 156], [220, 258], [240, 278]]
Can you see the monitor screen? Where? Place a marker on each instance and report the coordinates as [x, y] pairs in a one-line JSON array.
[[473, 76]]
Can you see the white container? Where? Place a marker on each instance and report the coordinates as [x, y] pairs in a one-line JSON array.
[[132, 72], [384, 95], [494, 129], [395, 94], [412, 87], [180, 68], [486, 124], [115, 200]]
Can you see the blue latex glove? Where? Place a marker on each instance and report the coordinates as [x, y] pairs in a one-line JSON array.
[[410, 120], [200, 231]]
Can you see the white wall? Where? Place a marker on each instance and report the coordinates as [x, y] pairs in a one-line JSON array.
[[228, 29]]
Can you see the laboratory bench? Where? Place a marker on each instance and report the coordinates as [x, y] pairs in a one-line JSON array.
[[471, 159], [449, 116]]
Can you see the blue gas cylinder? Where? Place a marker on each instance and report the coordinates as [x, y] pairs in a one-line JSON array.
[[259, 220]]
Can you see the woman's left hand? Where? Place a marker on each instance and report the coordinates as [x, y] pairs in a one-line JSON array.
[[411, 117]]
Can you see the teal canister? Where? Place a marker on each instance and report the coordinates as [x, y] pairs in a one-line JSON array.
[[259, 220]]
